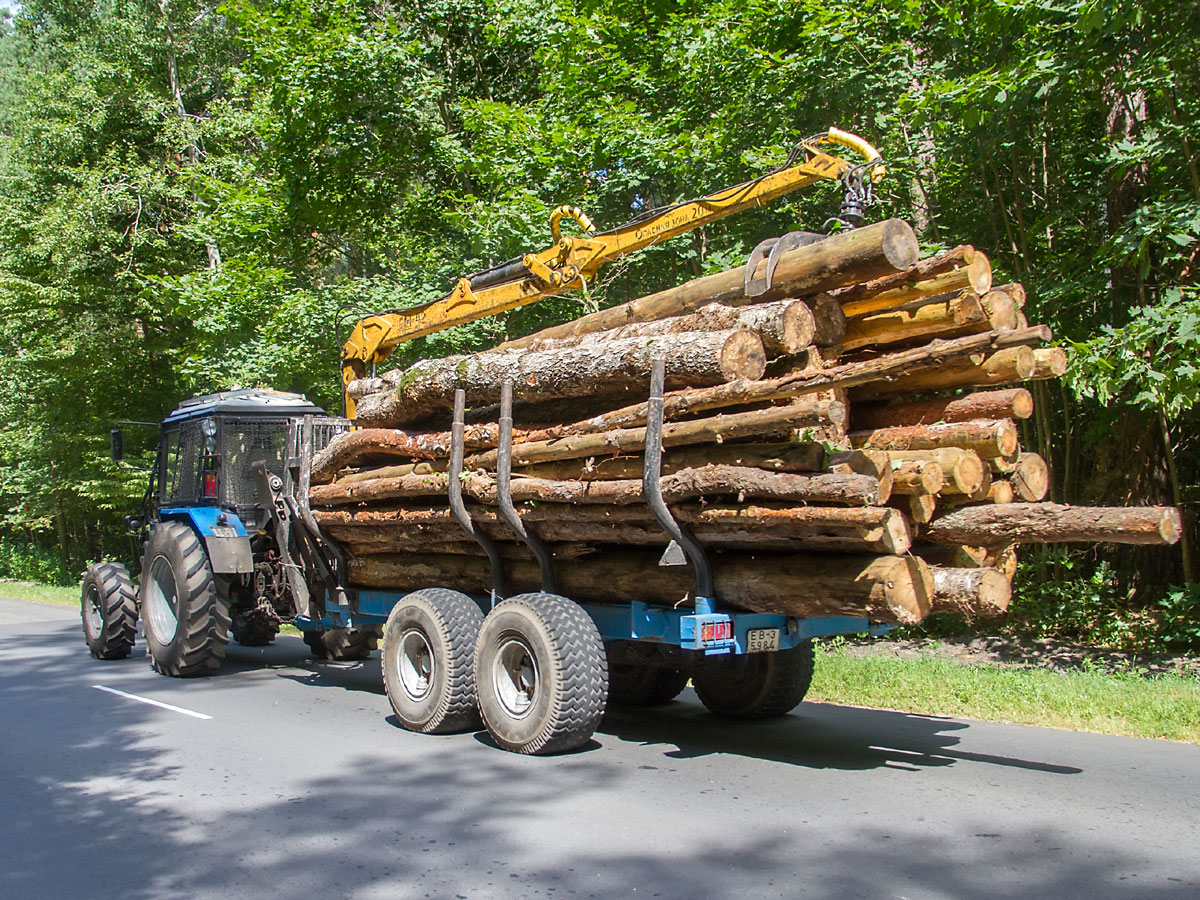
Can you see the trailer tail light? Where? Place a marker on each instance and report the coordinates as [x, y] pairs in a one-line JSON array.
[[712, 633], [210, 486], [716, 631]]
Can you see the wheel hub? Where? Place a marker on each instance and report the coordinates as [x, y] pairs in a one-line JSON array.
[[515, 677], [162, 602], [91, 608], [415, 664]]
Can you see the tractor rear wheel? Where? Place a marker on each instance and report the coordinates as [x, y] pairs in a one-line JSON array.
[[186, 622], [109, 609]]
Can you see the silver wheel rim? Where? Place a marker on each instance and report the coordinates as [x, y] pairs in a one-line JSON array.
[[515, 677], [93, 615], [414, 664], [162, 601]]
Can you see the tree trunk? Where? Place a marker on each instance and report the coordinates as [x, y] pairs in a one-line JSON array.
[[1050, 362], [590, 367], [962, 471], [975, 269], [985, 437], [839, 260], [949, 317], [784, 457], [885, 589], [975, 593], [1030, 478], [1010, 403], [1002, 367], [917, 476], [371, 444], [830, 321], [1049, 523]]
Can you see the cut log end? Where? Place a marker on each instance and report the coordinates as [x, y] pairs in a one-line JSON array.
[[900, 245]]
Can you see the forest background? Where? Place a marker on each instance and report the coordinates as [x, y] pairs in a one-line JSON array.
[[203, 195]]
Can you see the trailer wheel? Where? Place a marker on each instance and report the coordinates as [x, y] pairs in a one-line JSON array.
[[251, 628], [108, 606], [635, 685], [428, 661], [185, 621], [541, 674], [343, 643], [758, 685]]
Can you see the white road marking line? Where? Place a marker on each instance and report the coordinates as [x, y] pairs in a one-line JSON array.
[[159, 704]]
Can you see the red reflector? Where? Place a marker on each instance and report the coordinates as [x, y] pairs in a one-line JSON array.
[[716, 631], [210, 486]]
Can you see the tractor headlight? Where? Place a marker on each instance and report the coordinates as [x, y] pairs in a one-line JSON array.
[[208, 428]]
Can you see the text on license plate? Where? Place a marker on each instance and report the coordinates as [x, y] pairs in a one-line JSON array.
[[224, 531], [762, 640]]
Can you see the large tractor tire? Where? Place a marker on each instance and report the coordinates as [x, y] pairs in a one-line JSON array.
[[428, 661], [185, 621], [109, 608], [343, 644], [630, 684], [540, 674], [251, 628], [757, 685]]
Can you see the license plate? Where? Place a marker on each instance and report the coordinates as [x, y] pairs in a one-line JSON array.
[[224, 531], [762, 640]]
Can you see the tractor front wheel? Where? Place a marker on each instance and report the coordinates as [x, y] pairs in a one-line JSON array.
[[109, 609]]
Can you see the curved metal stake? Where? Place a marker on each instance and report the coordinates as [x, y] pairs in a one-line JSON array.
[[504, 492], [459, 509], [652, 487], [771, 250]]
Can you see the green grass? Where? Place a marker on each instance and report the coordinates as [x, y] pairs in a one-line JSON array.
[[1161, 707], [39, 593]]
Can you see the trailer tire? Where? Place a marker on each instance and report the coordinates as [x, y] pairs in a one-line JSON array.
[[428, 661], [630, 684], [343, 644], [252, 629], [108, 606], [757, 685], [185, 621], [541, 674]]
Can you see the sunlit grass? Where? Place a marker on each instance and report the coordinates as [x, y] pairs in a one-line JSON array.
[[1165, 706], [39, 593]]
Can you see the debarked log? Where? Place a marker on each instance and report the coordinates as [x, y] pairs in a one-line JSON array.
[[885, 589], [974, 592]]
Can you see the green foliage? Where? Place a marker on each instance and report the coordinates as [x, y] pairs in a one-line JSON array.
[[29, 561], [1179, 618], [1089, 607]]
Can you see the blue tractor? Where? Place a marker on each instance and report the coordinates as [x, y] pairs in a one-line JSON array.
[[225, 551]]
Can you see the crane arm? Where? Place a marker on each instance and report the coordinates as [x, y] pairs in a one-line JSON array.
[[571, 261]]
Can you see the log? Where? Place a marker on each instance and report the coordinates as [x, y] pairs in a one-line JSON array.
[[1030, 478], [931, 359], [785, 327], [782, 457], [1015, 290], [590, 367], [922, 508], [1050, 362], [963, 471], [1000, 309], [354, 447], [888, 589], [841, 259], [917, 476], [1002, 367], [999, 492], [949, 317], [1009, 403], [829, 321], [984, 437], [974, 274], [757, 423], [1003, 559], [423, 467], [975, 592], [1050, 523], [952, 556], [686, 484]]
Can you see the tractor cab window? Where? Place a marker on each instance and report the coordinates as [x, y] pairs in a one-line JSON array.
[[245, 443]]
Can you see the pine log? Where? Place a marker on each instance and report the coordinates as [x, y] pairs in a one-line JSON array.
[[963, 471], [1015, 290], [686, 484], [975, 593], [829, 319], [932, 359], [782, 457], [945, 317], [985, 437], [1003, 559], [1030, 477], [1009, 403], [757, 423], [999, 492], [365, 444], [841, 259], [1049, 523], [785, 327], [590, 367], [1050, 362], [882, 589], [921, 508], [1001, 310], [423, 467], [979, 495], [917, 476], [1002, 367], [974, 274], [952, 556]]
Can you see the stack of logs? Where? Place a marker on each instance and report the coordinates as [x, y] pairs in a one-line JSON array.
[[846, 443]]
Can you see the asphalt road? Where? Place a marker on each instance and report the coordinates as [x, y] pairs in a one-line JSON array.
[[300, 785]]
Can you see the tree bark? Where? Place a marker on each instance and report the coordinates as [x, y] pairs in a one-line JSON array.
[[917, 476], [783, 457], [591, 367], [950, 317], [1050, 523], [985, 437], [370, 444], [839, 260], [1002, 367], [885, 589], [1010, 403], [978, 278], [962, 471], [975, 593]]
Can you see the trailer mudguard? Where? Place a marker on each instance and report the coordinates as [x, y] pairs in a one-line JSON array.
[[223, 534]]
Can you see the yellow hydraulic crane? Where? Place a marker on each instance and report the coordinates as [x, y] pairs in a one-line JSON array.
[[571, 261]]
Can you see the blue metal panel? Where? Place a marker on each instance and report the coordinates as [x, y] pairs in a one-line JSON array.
[[203, 518]]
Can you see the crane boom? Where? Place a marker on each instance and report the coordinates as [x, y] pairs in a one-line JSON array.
[[571, 261]]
